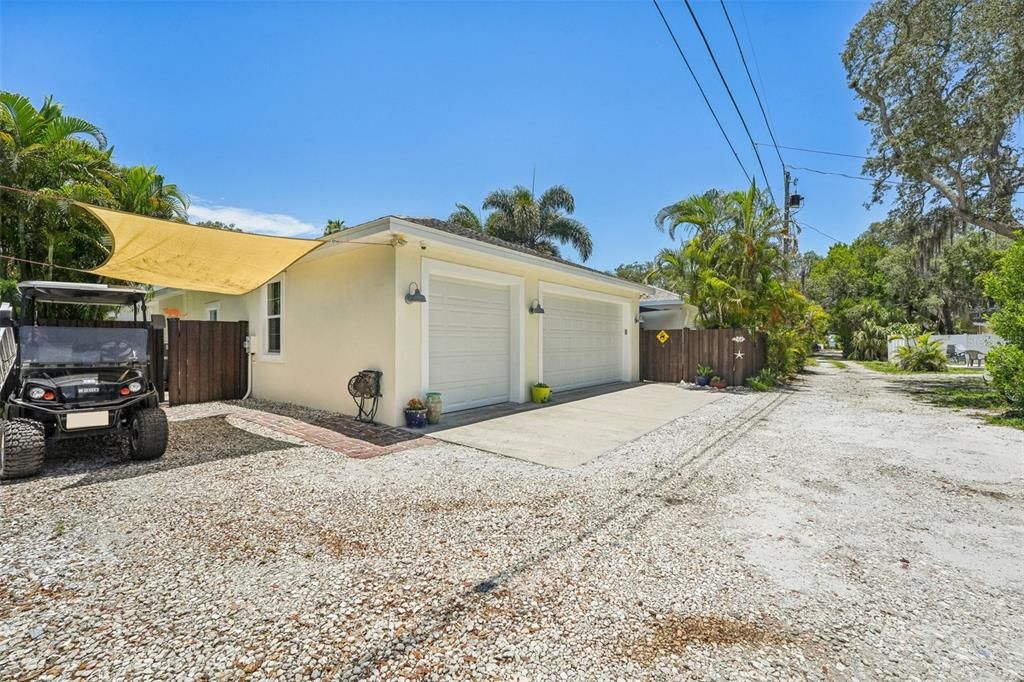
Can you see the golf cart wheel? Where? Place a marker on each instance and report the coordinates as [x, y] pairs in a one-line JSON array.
[[22, 449], [147, 435]]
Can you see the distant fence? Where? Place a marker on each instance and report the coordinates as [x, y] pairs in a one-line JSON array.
[[963, 342], [673, 355]]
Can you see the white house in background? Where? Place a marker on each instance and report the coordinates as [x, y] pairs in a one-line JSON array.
[[960, 343], [496, 318], [664, 309]]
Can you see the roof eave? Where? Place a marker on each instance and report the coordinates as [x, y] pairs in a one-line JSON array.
[[426, 232]]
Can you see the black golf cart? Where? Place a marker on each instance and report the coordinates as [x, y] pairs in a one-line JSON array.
[[73, 379]]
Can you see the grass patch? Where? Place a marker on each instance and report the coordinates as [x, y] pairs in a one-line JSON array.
[[889, 368], [1012, 419], [838, 364], [971, 393]]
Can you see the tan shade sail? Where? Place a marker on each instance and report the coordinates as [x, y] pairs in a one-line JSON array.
[[166, 253]]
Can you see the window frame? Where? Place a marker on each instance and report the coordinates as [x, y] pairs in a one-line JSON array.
[[214, 308], [265, 353]]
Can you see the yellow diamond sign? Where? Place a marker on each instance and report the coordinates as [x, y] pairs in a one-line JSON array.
[[662, 336]]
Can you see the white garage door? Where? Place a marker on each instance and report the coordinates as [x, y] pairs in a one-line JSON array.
[[582, 342], [469, 343]]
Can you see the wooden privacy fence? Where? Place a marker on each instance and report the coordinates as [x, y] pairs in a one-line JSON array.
[[206, 360], [676, 358]]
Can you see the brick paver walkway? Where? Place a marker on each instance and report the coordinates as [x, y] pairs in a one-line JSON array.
[[314, 435]]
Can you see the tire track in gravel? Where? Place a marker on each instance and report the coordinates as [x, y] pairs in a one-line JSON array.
[[642, 505]]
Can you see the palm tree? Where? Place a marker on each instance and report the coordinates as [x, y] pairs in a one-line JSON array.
[[140, 189], [43, 150], [333, 226], [539, 224], [706, 215], [464, 217], [730, 266]]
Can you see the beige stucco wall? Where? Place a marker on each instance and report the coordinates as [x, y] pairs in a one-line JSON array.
[[338, 319], [409, 268], [339, 313], [192, 305]]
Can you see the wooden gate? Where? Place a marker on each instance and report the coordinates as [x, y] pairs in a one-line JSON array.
[[676, 358], [206, 360]]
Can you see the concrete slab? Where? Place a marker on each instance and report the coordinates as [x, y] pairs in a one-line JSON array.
[[566, 436]]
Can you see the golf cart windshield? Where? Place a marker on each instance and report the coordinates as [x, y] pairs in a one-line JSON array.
[[83, 346]]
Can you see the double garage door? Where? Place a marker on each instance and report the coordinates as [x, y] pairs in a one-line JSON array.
[[470, 344]]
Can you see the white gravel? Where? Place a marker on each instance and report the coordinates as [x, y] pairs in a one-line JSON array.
[[836, 531]]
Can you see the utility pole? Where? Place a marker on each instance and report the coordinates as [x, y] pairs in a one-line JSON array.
[[785, 215]]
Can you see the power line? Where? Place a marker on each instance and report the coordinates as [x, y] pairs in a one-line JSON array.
[[847, 175], [812, 227], [753, 53], [736, 106], [753, 87], [815, 151], [701, 88]]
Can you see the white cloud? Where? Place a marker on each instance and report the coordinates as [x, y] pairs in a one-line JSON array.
[[249, 220]]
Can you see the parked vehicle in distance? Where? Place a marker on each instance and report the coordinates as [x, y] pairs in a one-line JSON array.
[[72, 378]]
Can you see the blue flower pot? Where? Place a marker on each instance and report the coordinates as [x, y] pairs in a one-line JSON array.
[[416, 419]]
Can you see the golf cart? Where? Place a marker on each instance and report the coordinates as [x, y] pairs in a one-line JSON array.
[[72, 379]]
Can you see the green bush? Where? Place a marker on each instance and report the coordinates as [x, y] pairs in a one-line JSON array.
[[1005, 284], [765, 380], [1005, 364], [786, 352], [922, 355]]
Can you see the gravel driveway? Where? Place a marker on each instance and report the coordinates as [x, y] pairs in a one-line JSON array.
[[836, 531]]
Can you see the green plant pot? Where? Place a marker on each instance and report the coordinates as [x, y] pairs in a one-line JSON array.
[[540, 395]]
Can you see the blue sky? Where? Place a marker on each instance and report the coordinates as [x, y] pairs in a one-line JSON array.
[[279, 116]]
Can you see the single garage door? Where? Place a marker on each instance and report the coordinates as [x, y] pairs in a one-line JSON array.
[[582, 342], [469, 343]]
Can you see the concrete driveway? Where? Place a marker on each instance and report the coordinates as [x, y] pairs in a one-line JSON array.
[[571, 434]]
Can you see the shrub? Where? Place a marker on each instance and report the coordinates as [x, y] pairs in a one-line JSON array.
[[1005, 364], [922, 355], [765, 380], [1005, 284], [786, 353]]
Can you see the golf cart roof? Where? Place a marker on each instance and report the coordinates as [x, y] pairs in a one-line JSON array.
[[80, 293]]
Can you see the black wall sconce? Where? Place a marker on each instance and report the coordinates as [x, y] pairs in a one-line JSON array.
[[536, 308], [414, 295]]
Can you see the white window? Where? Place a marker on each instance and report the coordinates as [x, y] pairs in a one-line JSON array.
[[213, 312], [274, 302]]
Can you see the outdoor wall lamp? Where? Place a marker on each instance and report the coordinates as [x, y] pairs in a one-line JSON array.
[[536, 308], [414, 295]]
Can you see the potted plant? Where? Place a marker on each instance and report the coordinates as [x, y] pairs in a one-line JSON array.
[[718, 382], [704, 374], [415, 414], [540, 392]]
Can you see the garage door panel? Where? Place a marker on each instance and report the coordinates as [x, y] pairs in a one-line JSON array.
[[469, 343], [583, 342]]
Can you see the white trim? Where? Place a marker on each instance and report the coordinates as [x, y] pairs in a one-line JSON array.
[[264, 356], [517, 347], [575, 292], [211, 306], [417, 231]]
